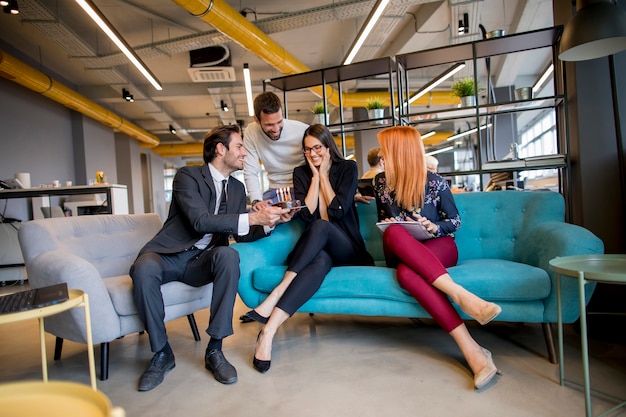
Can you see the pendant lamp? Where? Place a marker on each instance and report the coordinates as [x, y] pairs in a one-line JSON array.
[[597, 29]]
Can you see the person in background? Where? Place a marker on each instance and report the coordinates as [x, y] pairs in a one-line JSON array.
[[326, 184], [407, 191], [192, 247], [376, 163], [273, 141], [431, 163]]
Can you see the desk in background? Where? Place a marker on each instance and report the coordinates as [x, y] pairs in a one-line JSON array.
[[116, 200]]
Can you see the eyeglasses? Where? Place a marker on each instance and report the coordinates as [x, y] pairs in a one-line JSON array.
[[316, 149]]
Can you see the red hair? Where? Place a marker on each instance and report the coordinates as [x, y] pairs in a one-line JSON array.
[[405, 164]]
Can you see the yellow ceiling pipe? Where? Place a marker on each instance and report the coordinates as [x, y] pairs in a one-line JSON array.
[[231, 23], [196, 149], [181, 149], [15, 70]]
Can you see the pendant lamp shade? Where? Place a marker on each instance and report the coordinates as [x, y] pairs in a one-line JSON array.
[[598, 29]]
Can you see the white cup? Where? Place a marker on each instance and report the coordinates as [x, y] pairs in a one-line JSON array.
[[56, 183], [68, 183], [23, 178]]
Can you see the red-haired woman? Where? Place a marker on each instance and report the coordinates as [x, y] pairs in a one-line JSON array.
[[407, 191]]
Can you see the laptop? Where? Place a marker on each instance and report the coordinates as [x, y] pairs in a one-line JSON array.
[[34, 298]]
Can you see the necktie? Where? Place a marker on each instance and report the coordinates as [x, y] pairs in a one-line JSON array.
[[223, 199]]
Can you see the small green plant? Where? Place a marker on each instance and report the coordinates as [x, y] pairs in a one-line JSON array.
[[463, 87], [375, 103], [318, 108]]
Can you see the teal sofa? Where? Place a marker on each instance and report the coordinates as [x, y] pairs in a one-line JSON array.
[[505, 242]]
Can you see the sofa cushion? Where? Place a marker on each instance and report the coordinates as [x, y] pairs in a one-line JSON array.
[[120, 288], [501, 280], [523, 282]]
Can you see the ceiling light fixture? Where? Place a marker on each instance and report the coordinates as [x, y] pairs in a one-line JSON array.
[[371, 20], [597, 29], [223, 105], [104, 24], [542, 80], [248, 83], [446, 149], [10, 6], [126, 95], [468, 132], [464, 25], [172, 130], [438, 80]]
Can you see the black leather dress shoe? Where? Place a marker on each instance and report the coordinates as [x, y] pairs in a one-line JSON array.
[[160, 364], [224, 372]]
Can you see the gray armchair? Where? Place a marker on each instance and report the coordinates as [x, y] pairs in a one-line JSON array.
[[94, 254]]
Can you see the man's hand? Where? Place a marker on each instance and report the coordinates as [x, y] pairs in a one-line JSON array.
[[258, 204], [267, 215]]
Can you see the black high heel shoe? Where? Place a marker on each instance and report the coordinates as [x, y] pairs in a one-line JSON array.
[[260, 365], [253, 315]]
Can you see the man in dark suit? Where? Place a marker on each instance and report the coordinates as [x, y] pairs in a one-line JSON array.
[[192, 247]]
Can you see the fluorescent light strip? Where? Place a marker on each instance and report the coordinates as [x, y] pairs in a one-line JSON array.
[[427, 135], [366, 29], [248, 84], [438, 80], [468, 132], [446, 149], [104, 24], [539, 84]]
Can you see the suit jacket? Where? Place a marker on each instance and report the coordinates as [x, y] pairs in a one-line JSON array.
[[191, 213]]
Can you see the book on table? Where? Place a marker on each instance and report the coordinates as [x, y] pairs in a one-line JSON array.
[[416, 229]]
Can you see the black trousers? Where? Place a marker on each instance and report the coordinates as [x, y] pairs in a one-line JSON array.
[[321, 246], [219, 265]]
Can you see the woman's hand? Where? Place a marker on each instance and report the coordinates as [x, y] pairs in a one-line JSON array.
[[314, 170], [325, 165], [431, 227]]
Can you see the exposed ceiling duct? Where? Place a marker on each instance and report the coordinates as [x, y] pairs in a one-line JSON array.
[[15, 70]]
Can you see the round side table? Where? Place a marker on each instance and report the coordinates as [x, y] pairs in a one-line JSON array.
[[77, 299], [54, 399], [610, 269]]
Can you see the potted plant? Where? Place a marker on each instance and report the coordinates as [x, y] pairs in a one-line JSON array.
[[375, 107], [321, 113], [465, 88]]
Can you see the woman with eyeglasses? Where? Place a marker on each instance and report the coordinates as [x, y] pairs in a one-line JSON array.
[[325, 184], [407, 191]]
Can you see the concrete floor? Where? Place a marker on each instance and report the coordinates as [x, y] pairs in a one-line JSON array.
[[335, 365]]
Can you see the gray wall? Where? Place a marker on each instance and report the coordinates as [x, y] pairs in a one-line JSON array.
[[52, 142]]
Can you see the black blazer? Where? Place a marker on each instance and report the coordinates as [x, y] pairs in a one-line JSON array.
[[343, 177], [191, 213]]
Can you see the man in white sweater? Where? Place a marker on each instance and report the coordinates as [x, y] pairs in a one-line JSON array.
[[274, 141]]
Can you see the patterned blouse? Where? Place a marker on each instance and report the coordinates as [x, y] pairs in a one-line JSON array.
[[439, 206]]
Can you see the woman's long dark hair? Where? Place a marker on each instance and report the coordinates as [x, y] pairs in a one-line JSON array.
[[322, 133]]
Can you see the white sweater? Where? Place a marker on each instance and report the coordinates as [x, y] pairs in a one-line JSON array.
[[279, 157]]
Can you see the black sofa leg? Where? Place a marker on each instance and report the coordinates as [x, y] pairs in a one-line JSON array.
[[104, 361], [194, 327], [547, 333], [58, 347]]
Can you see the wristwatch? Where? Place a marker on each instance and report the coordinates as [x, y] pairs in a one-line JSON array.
[[254, 202]]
